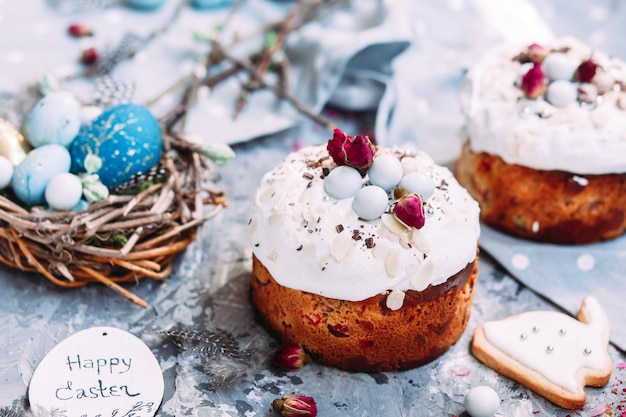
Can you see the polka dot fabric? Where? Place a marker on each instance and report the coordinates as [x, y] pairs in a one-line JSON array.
[[566, 274]]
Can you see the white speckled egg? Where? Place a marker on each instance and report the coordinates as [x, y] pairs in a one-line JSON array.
[[54, 119], [342, 182], [63, 191], [386, 172], [127, 139], [419, 183], [6, 172], [561, 93], [482, 401], [370, 202], [32, 175], [558, 66]]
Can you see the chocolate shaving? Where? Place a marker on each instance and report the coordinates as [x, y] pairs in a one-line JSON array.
[[369, 243], [356, 234], [299, 248], [339, 228], [307, 176]]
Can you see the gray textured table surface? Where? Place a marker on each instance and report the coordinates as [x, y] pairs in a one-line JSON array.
[[208, 289]]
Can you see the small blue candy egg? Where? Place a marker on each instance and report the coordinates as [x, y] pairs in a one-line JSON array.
[[419, 183], [145, 4], [127, 138], [386, 172], [482, 401], [558, 66], [54, 119], [561, 93], [370, 202], [63, 191], [32, 175], [6, 172], [342, 182]]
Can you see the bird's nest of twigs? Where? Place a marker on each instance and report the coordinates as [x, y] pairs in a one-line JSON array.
[[121, 239]]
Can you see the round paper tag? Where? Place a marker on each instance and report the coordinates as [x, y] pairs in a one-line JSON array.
[[98, 371]]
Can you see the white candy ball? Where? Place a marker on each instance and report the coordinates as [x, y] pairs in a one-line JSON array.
[[343, 182], [482, 401], [558, 66], [64, 191], [604, 81], [6, 172], [561, 93], [370, 202], [419, 183], [386, 172]]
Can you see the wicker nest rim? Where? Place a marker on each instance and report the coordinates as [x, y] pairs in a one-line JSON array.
[[121, 239]]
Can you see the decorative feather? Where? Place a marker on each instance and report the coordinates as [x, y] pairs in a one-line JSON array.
[[139, 181], [219, 353], [110, 91]]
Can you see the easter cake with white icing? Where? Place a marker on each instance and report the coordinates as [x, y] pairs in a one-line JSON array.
[[545, 154], [364, 256]]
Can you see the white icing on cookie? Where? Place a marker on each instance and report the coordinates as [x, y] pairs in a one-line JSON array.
[[534, 133], [312, 242], [554, 344]]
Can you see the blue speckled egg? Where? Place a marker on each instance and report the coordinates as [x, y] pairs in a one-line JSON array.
[[54, 119], [32, 175], [210, 4], [127, 138], [145, 4]]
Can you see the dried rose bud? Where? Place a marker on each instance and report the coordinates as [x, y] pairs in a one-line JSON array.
[[290, 357], [409, 209], [357, 152], [534, 82], [536, 52], [89, 56], [295, 405], [533, 53], [78, 30], [586, 71]]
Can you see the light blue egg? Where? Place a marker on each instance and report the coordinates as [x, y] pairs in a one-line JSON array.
[[54, 119], [32, 175], [210, 4], [562, 93], [558, 66], [342, 182], [370, 202], [386, 172], [127, 138], [145, 4], [419, 183]]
